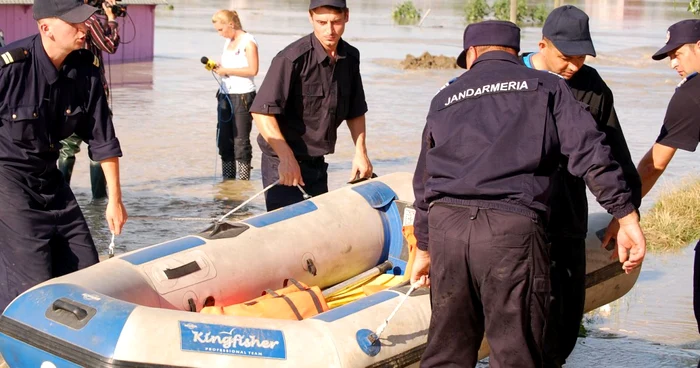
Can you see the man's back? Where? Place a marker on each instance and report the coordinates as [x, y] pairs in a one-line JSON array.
[[477, 158]]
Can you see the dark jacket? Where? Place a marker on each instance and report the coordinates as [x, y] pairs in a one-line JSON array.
[[495, 138], [569, 203], [311, 95], [40, 106]]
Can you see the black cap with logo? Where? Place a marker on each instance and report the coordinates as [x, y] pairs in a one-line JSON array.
[[334, 3], [685, 31], [489, 33], [567, 28], [71, 11]]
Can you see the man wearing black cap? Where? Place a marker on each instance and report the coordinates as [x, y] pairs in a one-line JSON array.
[[681, 127], [491, 145], [311, 87], [50, 87], [566, 40]]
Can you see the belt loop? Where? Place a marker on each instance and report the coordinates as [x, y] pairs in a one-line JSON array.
[[473, 211]]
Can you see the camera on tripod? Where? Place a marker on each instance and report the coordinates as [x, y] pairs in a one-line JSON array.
[[118, 10]]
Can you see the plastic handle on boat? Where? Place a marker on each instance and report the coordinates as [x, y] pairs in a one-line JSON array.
[[374, 271], [358, 179], [78, 312]]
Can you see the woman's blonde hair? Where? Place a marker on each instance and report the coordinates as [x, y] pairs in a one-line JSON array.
[[227, 16]]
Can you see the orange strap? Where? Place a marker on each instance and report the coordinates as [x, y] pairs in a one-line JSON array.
[[296, 302]]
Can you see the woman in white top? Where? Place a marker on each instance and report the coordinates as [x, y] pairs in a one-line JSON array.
[[239, 64]]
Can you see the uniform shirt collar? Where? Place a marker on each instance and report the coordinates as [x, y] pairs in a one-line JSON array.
[[46, 65], [321, 53], [44, 62], [497, 55]]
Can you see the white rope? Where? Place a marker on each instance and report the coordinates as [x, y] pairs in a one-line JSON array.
[[110, 250], [383, 326], [248, 200], [303, 192]]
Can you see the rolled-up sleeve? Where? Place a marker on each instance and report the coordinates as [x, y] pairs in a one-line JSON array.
[[98, 130], [273, 94]]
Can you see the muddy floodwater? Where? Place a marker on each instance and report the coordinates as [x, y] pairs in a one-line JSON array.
[[165, 116]]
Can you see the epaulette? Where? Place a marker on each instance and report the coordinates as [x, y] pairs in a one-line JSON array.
[[297, 49], [689, 77], [447, 84], [14, 55]]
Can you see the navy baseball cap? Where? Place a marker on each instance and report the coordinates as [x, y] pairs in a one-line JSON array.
[[489, 33], [334, 3], [567, 28], [71, 11], [685, 31]]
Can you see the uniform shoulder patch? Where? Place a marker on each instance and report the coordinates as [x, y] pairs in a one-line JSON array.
[[12, 56]]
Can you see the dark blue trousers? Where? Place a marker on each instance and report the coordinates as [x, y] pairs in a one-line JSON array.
[[314, 171], [235, 123], [489, 274], [568, 278], [40, 241]]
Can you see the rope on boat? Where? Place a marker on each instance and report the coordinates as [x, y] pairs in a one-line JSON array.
[[110, 250], [222, 218], [248, 200], [382, 327]]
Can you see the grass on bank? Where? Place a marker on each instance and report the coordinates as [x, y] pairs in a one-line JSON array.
[[674, 220], [406, 13], [527, 15]]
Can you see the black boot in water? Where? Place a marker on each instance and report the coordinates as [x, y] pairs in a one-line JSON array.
[[243, 170], [97, 181], [228, 170], [65, 165]]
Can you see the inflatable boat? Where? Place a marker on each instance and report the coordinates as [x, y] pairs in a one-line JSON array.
[[142, 308]]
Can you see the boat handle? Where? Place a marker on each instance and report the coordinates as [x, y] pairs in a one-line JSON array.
[[78, 312], [310, 266]]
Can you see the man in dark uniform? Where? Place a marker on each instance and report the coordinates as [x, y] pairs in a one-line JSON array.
[[566, 40], [50, 88], [492, 142], [681, 127], [311, 87]]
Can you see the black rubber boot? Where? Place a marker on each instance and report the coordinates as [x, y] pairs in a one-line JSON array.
[[243, 170], [228, 170], [65, 165], [97, 181]]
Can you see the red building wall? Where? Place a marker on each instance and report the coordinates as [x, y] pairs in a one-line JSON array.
[[136, 31]]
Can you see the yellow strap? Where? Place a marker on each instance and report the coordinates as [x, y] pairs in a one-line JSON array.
[[96, 61]]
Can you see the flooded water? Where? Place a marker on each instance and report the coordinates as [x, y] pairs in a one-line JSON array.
[[166, 121]]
